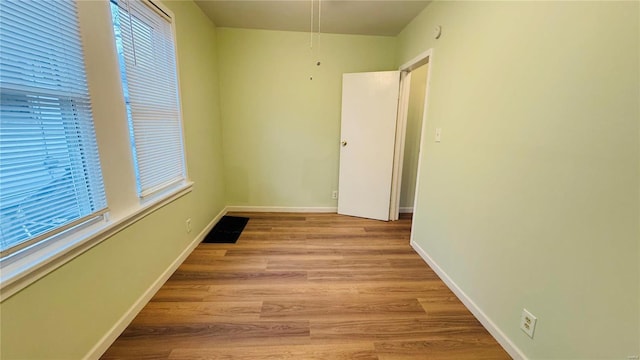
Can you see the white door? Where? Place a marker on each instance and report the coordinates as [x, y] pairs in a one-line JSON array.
[[368, 130]]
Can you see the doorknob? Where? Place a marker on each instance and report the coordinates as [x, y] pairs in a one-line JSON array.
[[344, 143]]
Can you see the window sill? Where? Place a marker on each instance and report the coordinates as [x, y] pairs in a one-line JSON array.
[[18, 272]]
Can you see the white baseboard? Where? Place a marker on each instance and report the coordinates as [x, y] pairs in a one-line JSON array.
[[282, 209], [504, 341], [406, 210], [126, 319]]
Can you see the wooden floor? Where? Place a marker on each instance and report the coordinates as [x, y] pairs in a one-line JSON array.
[[307, 286]]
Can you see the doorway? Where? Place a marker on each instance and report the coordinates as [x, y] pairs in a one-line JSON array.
[[415, 112], [382, 115], [414, 87]]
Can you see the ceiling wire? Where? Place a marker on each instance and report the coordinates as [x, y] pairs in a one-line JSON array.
[[315, 52], [319, 22], [311, 30]]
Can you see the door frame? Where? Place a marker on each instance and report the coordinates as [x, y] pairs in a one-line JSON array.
[[424, 58], [400, 139]]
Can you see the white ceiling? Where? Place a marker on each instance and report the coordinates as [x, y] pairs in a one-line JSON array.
[[366, 17]]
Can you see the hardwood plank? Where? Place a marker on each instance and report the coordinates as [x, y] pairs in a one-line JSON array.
[[270, 236], [404, 288], [297, 253], [392, 252], [336, 219], [255, 228], [263, 243], [392, 228], [301, 254], [124, 352], [206, 265], [371, 275], [325, 264], [347, 230], [181, 292], [329, 331], [443, 304], [342, 308], [267, 291], [406, 216], [222, 277], [409, 263], [469, 346], [203, 335], [359, 236], [364, 351], [197, 312], [380, 244]]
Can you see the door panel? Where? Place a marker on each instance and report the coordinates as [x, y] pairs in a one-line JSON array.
[[368, 130]]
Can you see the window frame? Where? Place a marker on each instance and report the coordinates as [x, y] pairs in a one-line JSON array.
[[52, 167], [154, 193]]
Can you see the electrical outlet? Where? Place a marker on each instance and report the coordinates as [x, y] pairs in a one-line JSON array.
[[188, 225], [528, 323], [334, 194]]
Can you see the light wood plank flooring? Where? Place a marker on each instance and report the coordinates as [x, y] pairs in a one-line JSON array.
[[307, 286]]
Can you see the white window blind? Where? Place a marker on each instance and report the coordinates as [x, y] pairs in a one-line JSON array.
[[50, 177], [144, 39]]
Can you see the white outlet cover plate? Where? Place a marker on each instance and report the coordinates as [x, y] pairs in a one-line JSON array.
[[529, 330]]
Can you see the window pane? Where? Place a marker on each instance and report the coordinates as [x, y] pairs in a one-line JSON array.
[[147, 62], [50, 175]]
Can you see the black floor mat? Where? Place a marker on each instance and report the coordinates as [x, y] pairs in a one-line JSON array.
[[227, 230]]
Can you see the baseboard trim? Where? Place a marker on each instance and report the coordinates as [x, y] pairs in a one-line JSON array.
[[406, 210], [117, 329], [502, 339], [282, 209]]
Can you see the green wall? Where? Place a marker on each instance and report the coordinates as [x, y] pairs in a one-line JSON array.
[[415, 113], [63, 315], [531, 199], [281, 129]]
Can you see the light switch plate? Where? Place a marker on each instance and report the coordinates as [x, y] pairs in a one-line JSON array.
[[438, 134]]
